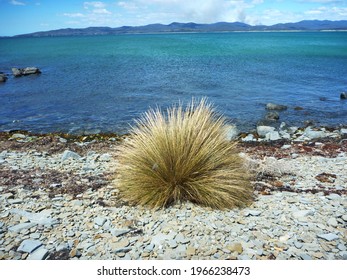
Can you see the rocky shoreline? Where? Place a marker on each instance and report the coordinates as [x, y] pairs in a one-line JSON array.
[[59, 200]]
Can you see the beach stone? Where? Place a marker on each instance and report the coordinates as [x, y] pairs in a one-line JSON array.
[[29, 246], [332, 222], [69, 154], [272, 136], [305, 257], [18, 136], [232, 132], [272, 106], [272, 116], [38, 218], [173, 244], [298, 245], [159, 239], [236, 247], [344, 217], [263, 130], [39, 254], [248, 138], [122, 250], [302, 213], [100, 221], [313, 134], [328, 236], [191, 251], [119, 232], [252, 213], [18, 228], [105, 157]]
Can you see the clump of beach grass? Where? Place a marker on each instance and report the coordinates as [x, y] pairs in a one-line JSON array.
[[183, 155]]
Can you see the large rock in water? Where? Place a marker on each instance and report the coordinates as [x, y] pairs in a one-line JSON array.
[[31, 70], [3, 78], [18, 72], [343, 95], [272, 106], [272, 116]]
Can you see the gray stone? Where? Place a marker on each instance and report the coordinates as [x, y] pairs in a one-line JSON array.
[[272, 116], [298, 244], [332, 222], [343, 132], [15, 201], [262, 130], [18, 228], [119, 232], [18, 136], [149, 248], [29, 246], [105, 157], [272, 106], [305, 257], [38, 218], [313, 134], [39, 254], [232, 132], [341, 247], [302, 213], [248, 138], [333, 196], [173, 244], [344, 217], [62, 246], [159, 238], [252, 213], [272, 136], [69, 154], [16, 72], [100, 221], [343, 95], [181, 239], [122, 250], [328, 236], [30, 71]]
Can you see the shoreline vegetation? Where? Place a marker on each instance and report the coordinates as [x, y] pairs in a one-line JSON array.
[[59, 201]]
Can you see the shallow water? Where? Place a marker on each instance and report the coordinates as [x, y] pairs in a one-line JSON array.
[[101, 83]]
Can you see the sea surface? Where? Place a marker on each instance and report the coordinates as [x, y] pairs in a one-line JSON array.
[[102, 83]]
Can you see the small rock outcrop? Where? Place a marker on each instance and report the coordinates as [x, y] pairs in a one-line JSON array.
[[272, 116], [343, 95], [18, 72], [272, 106], [3, 78]]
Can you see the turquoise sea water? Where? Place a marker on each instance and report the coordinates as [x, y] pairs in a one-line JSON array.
[[103, 82]]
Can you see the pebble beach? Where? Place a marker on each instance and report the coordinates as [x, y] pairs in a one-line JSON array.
[[59, 200]]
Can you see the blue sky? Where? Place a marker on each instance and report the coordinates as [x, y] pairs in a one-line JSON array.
[[24, 16]]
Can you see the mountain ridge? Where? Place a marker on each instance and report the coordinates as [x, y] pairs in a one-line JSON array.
[[305, 25]]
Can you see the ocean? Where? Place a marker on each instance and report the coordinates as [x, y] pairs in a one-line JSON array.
[[102, 83]]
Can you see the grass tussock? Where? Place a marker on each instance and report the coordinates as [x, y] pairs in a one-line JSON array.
[[183, 156]]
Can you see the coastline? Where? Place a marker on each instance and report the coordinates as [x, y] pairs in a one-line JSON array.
[[59, 199]]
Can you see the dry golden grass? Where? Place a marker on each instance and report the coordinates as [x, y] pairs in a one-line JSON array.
[[183, 156]]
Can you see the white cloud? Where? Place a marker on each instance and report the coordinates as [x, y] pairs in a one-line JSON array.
[[94, 4], [101, 11], [74, 15], [17, 3]]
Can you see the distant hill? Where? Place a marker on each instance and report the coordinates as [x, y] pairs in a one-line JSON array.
[[305, 25]]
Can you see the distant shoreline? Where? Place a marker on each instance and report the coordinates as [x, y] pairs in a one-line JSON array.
[[191, 27]]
